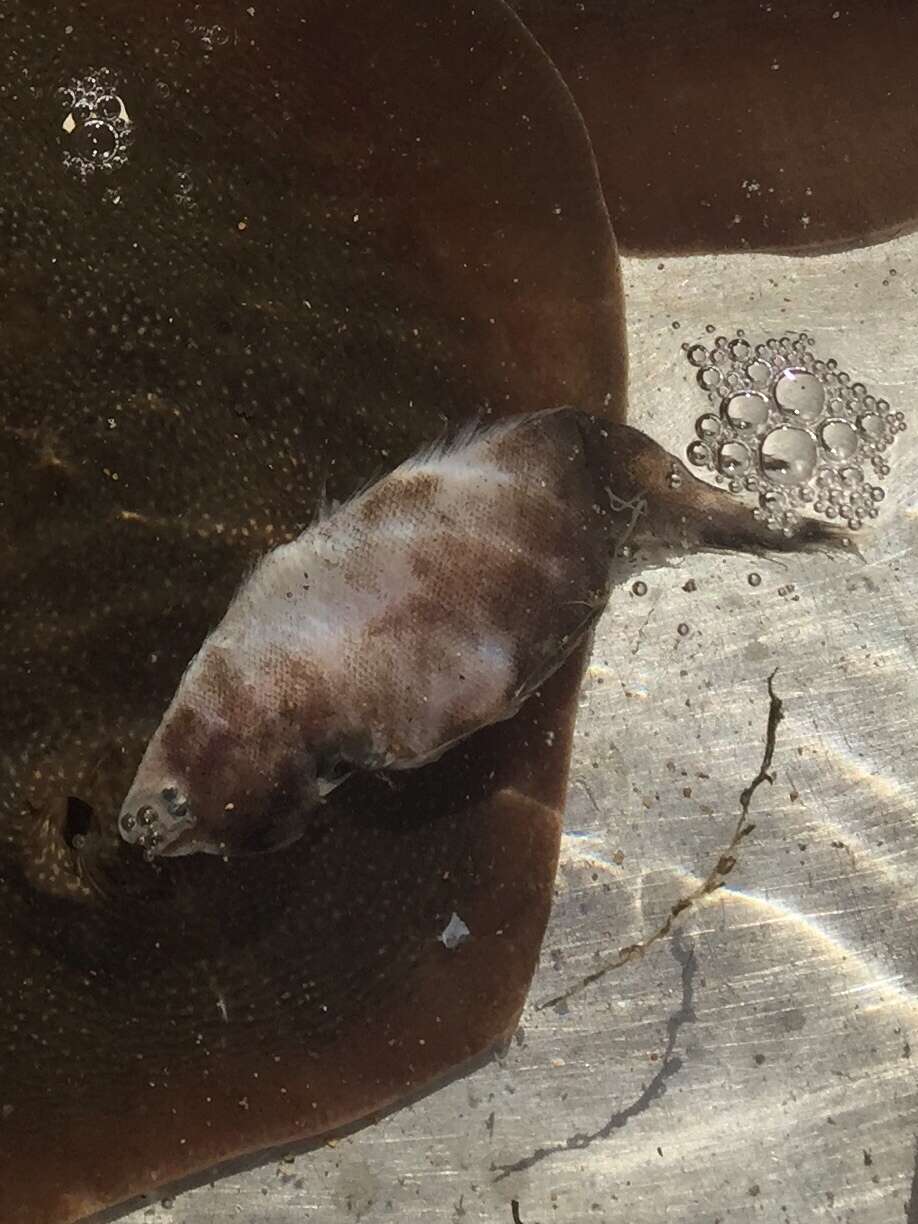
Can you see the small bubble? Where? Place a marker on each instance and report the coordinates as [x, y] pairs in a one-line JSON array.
[[698, 454], [697, 355], [710, 329], [754, 579], [759, 373], [682, 629], [733, 458], [639, 588], [709, 378], [746, 410], [839, 438], [708, 426]]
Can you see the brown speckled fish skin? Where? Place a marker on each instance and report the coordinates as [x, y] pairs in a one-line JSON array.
[[249, 348], [428, 606]]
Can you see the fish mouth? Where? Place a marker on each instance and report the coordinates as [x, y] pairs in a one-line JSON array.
[[155, 820]]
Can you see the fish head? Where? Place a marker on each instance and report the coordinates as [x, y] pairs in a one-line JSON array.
[[217, 785]]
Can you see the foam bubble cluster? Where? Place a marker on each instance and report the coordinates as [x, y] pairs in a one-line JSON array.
[[793, 429], [97, 125]]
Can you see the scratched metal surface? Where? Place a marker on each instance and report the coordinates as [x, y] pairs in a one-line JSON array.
[[758, 1065]]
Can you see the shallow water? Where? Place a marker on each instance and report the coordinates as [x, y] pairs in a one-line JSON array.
[[760, 1065], [423, 232]]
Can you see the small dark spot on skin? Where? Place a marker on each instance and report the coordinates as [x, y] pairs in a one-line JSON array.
[[758, 1059], [754, 1191], [868, 1159]]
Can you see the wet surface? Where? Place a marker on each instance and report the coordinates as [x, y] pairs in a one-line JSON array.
[[247, 254], [246, 257], [731, 126], [761, 1065]]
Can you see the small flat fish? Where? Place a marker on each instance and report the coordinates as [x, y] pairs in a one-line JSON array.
[[428, 606]]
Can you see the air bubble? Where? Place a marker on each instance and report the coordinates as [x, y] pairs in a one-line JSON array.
[[698, 454], [708, 426], [709, 378], [698, 355], [746, 410], [799, 393], [759, 373], [788, 455], [683, 629], [740, 350], [839, 438], [733, 458], [754, 580], [870, 425], [639, 588]]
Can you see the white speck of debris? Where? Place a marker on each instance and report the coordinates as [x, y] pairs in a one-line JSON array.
[[805, 220], [454, 933], [69, 124]]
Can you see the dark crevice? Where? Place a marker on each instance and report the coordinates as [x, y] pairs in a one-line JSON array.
[[78, 819]]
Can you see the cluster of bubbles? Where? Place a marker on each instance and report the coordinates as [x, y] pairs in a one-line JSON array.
[[97, 125], [184, 190], [796, 431], [150, 826], [210, 36]]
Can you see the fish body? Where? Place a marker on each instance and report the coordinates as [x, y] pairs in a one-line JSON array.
[[428, 606]]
